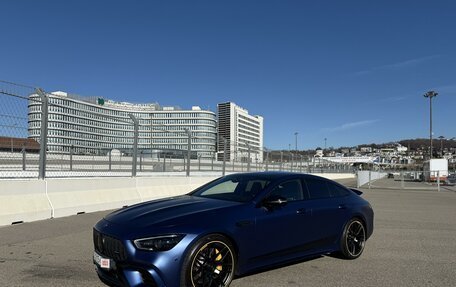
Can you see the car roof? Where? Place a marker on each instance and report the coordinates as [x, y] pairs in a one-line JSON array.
[[278, 175], [271, 175]]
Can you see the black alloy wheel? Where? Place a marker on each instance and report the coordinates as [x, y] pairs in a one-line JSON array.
[[210, 263], [353, 239]]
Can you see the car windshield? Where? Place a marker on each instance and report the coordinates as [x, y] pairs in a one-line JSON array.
[[233, 188]]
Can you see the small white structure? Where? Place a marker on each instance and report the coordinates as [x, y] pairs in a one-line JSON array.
[[319, 153], [401, 148], [435, 169]]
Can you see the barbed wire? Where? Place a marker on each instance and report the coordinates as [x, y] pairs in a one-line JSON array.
[[17, 84], [13, 127], [13, 95]]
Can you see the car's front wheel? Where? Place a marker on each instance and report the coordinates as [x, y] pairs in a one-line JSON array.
[[210, 262], [353, 239]]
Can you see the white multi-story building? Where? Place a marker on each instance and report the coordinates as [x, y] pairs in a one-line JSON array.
[[242, 132], [90, 125]]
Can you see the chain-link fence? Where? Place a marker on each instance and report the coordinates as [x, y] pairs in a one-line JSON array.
[[56, 134], [19, 154]]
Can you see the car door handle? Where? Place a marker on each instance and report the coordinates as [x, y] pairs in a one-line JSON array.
[[342, 206], [244, 223], [302, 211]]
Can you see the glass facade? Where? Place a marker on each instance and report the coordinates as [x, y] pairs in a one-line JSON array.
[[87, 126]]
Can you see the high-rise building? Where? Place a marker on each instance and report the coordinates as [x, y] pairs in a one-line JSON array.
[[243, 133], [91, 125]]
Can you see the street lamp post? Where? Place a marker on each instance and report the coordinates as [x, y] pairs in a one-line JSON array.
[[430, 95]]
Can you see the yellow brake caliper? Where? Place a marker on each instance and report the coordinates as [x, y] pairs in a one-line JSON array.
[[218, 268]]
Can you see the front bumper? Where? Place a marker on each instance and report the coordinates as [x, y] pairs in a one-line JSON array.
[[129, 276], [133, 267]]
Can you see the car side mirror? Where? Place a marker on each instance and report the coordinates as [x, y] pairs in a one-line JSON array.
[[274, 201]]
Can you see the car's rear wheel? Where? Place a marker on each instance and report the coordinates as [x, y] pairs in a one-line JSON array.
[[353, 239], [210, 262]]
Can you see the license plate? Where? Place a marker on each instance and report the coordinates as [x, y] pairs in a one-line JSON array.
[[104, 263]]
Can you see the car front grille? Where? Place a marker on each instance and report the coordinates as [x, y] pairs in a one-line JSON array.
[[108, 246]]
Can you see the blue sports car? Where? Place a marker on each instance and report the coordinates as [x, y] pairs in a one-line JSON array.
[[233, 225]]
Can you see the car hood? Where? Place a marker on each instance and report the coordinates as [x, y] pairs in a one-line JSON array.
[[175, 210]]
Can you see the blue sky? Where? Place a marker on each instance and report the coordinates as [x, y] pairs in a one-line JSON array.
[[350, 71]]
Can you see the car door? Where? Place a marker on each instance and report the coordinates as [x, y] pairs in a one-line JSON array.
[[280, 230], [329, 212]]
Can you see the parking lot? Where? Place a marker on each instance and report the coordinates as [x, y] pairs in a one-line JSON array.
[[414, 244]]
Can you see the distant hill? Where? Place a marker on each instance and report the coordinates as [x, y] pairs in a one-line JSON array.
[[412, 144]]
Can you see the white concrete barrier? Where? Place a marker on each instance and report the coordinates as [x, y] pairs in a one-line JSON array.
[[335, 176], [30, 200], [367, 176], [73, 196], [153, 188], [23, 201]]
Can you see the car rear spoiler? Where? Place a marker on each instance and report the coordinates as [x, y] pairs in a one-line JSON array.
[[358, 192]]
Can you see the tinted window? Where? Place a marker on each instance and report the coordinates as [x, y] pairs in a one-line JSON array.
[[233, 188], [317, 188], [224, 187], [255, 186], [291, 190], [337, 190]]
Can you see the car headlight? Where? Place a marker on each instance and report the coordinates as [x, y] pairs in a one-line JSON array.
[[158, 243]]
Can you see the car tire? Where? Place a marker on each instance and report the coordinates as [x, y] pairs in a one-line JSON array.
[[353, 239], [210, 262]]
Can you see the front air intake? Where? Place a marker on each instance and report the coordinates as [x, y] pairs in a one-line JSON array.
[[108, 246]]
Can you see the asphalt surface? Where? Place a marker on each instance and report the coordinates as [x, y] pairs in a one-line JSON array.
[[414, 244]]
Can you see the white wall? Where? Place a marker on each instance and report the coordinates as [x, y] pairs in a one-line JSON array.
[[34, 199]]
